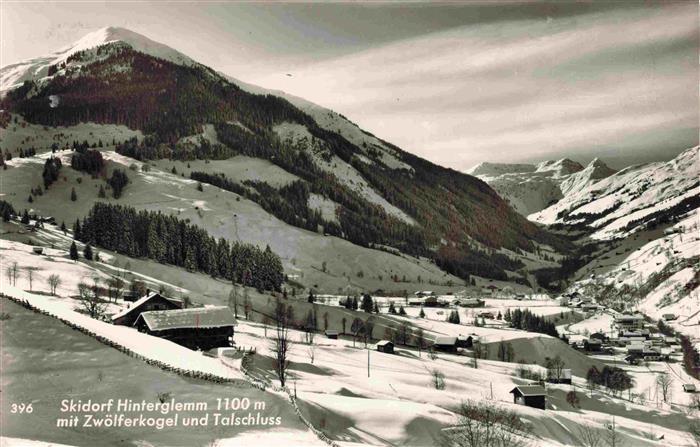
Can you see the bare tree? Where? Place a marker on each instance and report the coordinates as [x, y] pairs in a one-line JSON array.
[[438, 379], [664, 382], [247, 306], [589, 436], [233, 300], [115, 288], [420, 340], [613, 438], [280, 343], [90, 300], [54, 281], [555, 367], [483, 424], [312, 353], [30, 276], [356, 328], [12, 273]]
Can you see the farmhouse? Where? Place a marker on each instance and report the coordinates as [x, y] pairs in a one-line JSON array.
[[385, 346], [446, 344], [195, 328], [151, 301], [533, 396], [592, 344]]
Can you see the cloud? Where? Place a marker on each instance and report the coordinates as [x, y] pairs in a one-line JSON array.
[[522, 90]]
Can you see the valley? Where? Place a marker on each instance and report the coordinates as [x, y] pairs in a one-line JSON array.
[[378, 298]]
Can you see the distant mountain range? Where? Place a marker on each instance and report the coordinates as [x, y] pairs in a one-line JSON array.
[[531, 188]]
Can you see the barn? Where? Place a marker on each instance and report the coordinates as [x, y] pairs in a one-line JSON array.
[[151, 301], [332, 334], [385, 346], [445, 344], [195, 328], [533, 396]]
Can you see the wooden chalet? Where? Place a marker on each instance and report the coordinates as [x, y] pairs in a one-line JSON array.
[[445, 344], [195, 328], [534, 396], [151, 301]]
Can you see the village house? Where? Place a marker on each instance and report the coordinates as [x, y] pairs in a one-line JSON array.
[[592, 345], [195, 328], [534, 396], [150, 301], [385, 346], [445, 344]]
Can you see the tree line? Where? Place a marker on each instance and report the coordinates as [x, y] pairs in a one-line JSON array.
[[526, 320], [169, 240]]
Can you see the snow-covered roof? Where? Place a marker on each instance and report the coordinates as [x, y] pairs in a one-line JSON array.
[[530, 390], [445, 341], [384, 343], [135, 304], [200, 317]]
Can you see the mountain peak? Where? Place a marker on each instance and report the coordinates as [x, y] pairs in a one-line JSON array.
[[137, 41], [14, 75], [563, 166]]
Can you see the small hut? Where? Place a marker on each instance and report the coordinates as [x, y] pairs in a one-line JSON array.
[[332, 334], [534, 396], [385, 346]]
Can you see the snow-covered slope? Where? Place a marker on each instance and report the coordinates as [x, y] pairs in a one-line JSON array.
[[36, 69], [629, 199], [531, 188]]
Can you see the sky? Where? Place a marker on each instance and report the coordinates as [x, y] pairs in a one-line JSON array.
[[457, 83]]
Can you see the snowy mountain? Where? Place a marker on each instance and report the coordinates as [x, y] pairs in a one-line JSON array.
[[634, 198], [337, 179], [37, 69], [530, 188]]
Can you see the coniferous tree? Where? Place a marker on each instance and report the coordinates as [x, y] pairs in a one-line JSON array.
[[73, 195], [74, 251], [87, 252], [367, 304], [392, 309], [25, 217]]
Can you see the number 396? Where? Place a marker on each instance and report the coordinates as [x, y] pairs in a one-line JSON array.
[[21, 408]]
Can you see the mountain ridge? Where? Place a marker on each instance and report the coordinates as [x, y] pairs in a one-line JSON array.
[[460, 218]]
